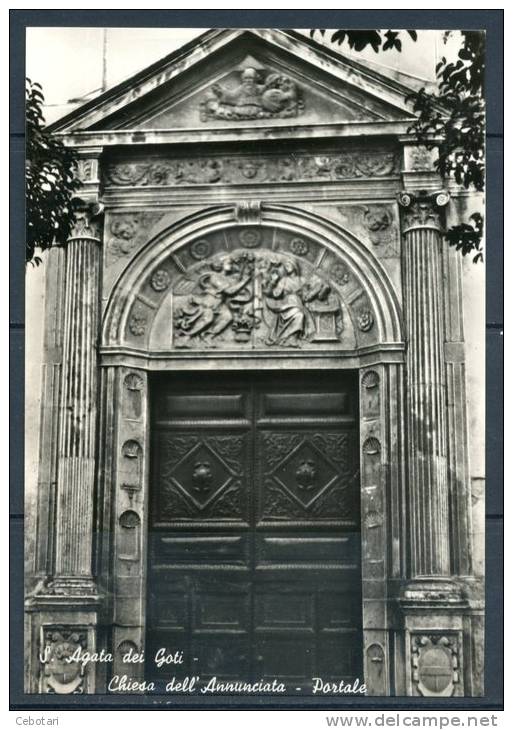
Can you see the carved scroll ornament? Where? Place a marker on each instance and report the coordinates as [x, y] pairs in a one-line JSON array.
[[423, 210], [222, 170]]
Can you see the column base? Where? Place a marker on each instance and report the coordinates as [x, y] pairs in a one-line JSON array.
[[431, 592], [61, 617], [435, 639], [72, 586]]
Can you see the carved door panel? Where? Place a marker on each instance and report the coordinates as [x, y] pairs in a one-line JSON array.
[[254, 566]]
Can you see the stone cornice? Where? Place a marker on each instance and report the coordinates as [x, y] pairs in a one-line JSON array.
[[207, 135], [392, 352]]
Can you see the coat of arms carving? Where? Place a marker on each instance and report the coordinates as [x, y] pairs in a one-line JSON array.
[[258, 95]]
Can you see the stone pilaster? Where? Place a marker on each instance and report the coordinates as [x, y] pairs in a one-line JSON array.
[[49, 415], [62, 612], [425, 367], [77, 423], [431, 599]]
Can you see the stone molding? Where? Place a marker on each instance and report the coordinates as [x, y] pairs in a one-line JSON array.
[[272, 168]]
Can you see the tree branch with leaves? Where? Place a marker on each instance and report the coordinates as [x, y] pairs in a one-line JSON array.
[[50, 180], [452, 119]]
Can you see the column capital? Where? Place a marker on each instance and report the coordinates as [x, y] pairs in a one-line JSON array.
[[88, 221], [423, 209]]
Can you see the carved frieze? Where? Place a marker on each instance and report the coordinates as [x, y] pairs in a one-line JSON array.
[[255, 95], [60, 675], [351, 164], [435, 664]]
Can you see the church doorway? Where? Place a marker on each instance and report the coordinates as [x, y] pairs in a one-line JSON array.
[[254, 568]]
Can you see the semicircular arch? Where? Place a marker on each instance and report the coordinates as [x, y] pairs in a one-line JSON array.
[[174, 275]]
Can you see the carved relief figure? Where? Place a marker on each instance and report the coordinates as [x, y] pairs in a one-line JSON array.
[[276, 96], [286, 296], [209, 312], [262, 297]]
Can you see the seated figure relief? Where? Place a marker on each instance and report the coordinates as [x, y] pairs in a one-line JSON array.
[[254, 98], [262, 299]]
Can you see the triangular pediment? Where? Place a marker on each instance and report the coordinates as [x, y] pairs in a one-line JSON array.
[[235, 78]]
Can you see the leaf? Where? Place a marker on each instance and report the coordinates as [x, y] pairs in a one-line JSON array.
[[392, 40], [50, 182], [467, 238]]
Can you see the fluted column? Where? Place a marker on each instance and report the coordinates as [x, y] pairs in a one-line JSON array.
[[426, 396], [77, 422]]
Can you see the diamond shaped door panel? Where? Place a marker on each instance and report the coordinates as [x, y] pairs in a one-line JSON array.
[[254, 559], [203, 476], [308, 475]]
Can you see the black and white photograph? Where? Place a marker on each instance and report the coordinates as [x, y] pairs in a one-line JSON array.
[[254, 365]]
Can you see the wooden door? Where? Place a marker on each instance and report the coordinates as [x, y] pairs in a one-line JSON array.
[[254, 538]]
